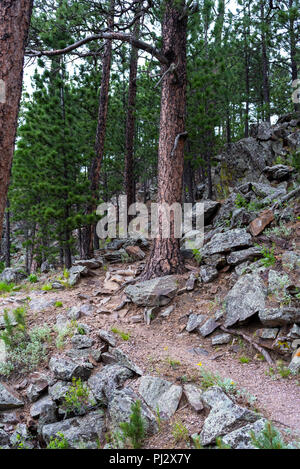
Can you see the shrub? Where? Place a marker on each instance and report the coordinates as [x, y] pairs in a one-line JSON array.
[[59, 442], [78, 398], [134, 430], [123, 335], [268, 438], [32, 278]]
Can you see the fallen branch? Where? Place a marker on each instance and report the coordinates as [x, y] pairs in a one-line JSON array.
[[254, 344]]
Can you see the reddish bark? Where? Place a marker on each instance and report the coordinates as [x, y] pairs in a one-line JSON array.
[[14, 25], [165, 257]]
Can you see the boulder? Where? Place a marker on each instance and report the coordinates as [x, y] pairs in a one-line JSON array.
[[260, 223], [208, 327], [245, 299], [225, 242], [80, 432], [237, 257], [156, 292], [105, 382], [221, 339], [241, 438], [12, 275], [8, 400], [273, 317], [194, 321], [120, 410], [160, 394], [279, 172], [193, 395], [294, 365], [135, 253], [208, 273], [66, 370]]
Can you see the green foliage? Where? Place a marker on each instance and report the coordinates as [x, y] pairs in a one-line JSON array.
[[197, 256], [244, 359], [269, 258], [122, 334], [134, 431], [47, 287], [13, 334], [2, 266], [58, 304], [180, 432], [58, 442], [6, 287], [268, 438], [209, 379], [78, 398], [33, 278]]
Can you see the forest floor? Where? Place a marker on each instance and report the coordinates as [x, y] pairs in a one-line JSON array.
[[166, 349]]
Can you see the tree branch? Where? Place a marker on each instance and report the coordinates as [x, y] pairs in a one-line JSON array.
[[139, 44]]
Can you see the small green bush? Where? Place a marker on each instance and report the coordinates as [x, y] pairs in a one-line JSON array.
[[268, 438], [59, 442], [134, 431]]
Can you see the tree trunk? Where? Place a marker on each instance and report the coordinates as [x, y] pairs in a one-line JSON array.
[[293, 49], [7, 235], [265, 67], [88, 231], [165, 257], [130, 123], [14, 25]]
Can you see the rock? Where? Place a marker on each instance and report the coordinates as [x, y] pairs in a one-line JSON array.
[[40, 304], [76, 272], [74, 313], [259, 224], [120, 410], [38, 387], [208, 327], [193, 395], [3, 353], [21, 435], [277, 283], [279, 172], [290, 260], [223, 418], [4, 438], [45, 408], [215, 397], [8, 400], [270, 333], [80, 341], [166, 313], [215, 260], [241, 438], [294, 332], [80, 432], [107, 337], [135, 253], [66, 370], [12, 275], [266, 191], [261, 131], [245, 299], [59, 390], [106, 381], [224, 242], [194, 321], [210, 209], [116, 256], [208, 273], [192, 240], [89, 263], [190, 284], [221, 339], [122, 359], [57, 286], [294, 365], [160, 394], [273, 317], [45, 267], [237, 257], [156, 292]]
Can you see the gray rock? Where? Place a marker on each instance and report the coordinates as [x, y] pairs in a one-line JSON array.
[[221, 339], [106, 381], [115, 256], [270, 333], [122, 359], [21, 435], [215, 397], [40, 304], [160, 394], [74, 313], [224, 242], [38, 387], [208, 327], [4, 438], [273, 317], [8, 400], [89, 263], [107, 337], [294, 365], [59, 390], [12, 275], [120, 410], [166, 313], [66, 370], [277, 281], [294, 332], [245, 299], [241, 438], [291, 260], [80, 432], [223, 419], [190, 284], [194, 321], [156, 292], [193, 395], [215, 260], [210, 209], [279, 172], [3, 353], [45, 267], [238, 257], [80, 341], [208, 273], [76, 272], [57, 286], [45, 408]]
